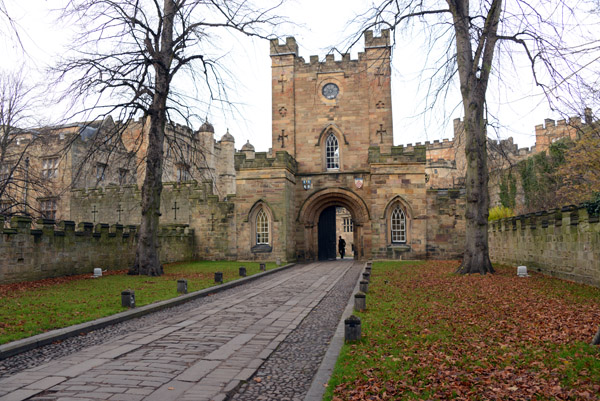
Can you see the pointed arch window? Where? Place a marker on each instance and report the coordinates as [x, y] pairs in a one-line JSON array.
[[332, 152], [398, 225], [262, 228]]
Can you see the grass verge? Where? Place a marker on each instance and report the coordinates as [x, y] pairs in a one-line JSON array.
[[35, 307], [431, 334]]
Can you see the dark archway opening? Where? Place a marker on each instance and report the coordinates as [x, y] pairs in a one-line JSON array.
[[327, 239]]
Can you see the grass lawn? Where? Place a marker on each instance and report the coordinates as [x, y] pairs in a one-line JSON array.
[[31, 308], [431, 334]]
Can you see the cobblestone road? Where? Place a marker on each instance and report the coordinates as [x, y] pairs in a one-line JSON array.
[[199, 354]]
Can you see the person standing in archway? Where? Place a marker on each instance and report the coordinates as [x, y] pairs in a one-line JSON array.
[[342, 247]]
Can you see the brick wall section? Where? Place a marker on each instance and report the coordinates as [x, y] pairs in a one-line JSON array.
[[42, 252], [563, 243]]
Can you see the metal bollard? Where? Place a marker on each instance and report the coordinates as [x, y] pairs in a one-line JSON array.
[[263, 267], [352, 329], [219, 277], [364, 286], [182, 286], [128, 299], [242, 271], [360, 301]]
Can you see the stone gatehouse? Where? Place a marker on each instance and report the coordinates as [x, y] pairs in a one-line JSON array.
[[332, 139]]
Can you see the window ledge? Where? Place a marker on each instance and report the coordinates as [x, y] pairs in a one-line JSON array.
[[399, 247], [261, 248]]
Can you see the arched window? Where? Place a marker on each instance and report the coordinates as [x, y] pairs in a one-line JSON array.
[[332, 152], [398, 225], [262, 228]]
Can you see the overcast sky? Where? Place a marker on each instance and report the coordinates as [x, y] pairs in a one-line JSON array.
[[319, 24]]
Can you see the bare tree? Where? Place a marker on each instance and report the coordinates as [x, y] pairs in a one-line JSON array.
[[479, 40], [18, 182], [130, 58]]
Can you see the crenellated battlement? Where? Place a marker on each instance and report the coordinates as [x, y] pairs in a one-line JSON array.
[[383, 40], [531, 240], [331, 61], [290, 47], [261, 160], [35, 250], [398, 154]]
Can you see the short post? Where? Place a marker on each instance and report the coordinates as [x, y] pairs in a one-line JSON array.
[[182, 286], [360, 301], [364, 286], [370, 263], [352, 329], [367, 276], [128, 299], [219, 277], [368, 268], [278, 261], [242, 271], [263, 267]]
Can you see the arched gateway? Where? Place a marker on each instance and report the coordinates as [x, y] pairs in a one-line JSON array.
[[332, 146], [319, 203]]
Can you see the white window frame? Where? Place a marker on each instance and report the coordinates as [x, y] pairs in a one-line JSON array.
[[332, 152], [101, 172], [398, 225], [48, 207], [49, 168], [348, 225], [262, 227]]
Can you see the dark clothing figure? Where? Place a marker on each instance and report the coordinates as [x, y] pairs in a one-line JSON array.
[[342, 247]]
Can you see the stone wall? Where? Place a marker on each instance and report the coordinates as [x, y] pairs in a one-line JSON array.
[[445, 223], [44, 250], [564, 243]]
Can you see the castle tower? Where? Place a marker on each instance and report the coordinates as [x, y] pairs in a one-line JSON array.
[[349, 99], [378, 71], [283, 62], [206, 164], [225, 166]]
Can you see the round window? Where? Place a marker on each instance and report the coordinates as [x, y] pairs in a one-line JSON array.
[[330, 91]]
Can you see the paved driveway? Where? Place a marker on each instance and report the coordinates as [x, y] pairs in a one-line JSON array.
[[201, 354]]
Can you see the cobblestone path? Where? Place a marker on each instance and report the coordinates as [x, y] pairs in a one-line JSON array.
[[205, 353]]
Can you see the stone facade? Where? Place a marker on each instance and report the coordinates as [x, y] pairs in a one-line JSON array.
[[332, 148], [349, 100], [564, 243]]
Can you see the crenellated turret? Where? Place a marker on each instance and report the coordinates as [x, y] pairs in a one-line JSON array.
[[225, 168]]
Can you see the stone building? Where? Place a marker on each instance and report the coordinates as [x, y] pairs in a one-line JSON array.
[[42, 166], [332, 149], [333, 170]]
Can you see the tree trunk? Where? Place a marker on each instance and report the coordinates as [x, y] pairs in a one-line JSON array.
[[146, 256], [596, 340], [474, 67], [476, 258]]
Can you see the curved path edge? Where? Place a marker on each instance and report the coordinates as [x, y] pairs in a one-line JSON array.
[[321, 378], [16, 347]]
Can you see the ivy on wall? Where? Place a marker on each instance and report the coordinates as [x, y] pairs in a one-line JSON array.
[[539, 177], [508, 190]]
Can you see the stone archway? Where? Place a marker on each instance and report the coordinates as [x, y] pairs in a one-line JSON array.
[[314, 205]]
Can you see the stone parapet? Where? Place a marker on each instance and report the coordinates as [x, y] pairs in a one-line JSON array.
[[262, 160], [397, 154], [31, 251], [564, 243]]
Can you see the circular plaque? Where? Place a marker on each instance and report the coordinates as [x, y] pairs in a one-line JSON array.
[[330, 91]]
